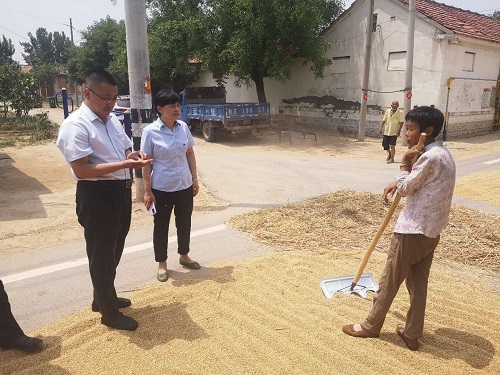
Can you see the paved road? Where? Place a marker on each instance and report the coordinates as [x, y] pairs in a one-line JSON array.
[[44, 285]]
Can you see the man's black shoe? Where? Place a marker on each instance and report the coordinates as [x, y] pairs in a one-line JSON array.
[[121, 322], [26, 344], [122, 303]]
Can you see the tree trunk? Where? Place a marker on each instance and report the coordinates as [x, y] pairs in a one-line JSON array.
[[261, 94]]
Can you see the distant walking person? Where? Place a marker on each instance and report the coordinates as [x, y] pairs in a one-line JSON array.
[[393, 121], [99, 153], [11, 335]]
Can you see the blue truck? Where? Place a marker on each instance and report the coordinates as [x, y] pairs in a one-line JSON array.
[[205, 109]]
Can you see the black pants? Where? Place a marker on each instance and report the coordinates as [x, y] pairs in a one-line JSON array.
[[388, 140], [9, 329], [104, 210], [182, 203]]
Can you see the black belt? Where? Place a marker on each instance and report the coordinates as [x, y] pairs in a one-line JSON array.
[[109, 183]]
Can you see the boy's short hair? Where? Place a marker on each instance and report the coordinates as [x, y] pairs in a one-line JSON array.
[[96, 77], [166, 96], [427, 116]]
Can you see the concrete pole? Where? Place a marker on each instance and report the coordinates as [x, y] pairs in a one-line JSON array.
[[366, 74], [138, 75], [75, 85], [409, 65]]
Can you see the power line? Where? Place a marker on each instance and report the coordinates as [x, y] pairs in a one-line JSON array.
[[30, 15], [20, 36]]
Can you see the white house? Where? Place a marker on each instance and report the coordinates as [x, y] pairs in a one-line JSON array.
[[456, 67]]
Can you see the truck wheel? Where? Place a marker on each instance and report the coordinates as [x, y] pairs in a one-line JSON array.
[[209, 132], [244, 135], [192, 126]]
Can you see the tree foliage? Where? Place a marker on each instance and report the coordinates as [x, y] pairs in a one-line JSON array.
[[24, 94], [44, 75], [495, 15], [254, 39], [46, 48], [103, 46], [17, 89], [175, 32], [8, 75], [6, 50]]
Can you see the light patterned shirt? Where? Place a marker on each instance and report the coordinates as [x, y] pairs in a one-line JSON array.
[[428, 189]]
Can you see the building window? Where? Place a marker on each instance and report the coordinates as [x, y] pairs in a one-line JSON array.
[[374, 22], [397, 60], [469, 59], [340, 68]]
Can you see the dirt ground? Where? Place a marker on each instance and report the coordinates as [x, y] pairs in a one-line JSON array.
[[38, 191], [259, 316]]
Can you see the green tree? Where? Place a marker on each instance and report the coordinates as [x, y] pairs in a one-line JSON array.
[[9, 73], [118, 66], [60, 43], [17, 89], [24, 94], [6, 50], [103, 46], [46, 48], [255, 39], [175, 34], [44, 75]]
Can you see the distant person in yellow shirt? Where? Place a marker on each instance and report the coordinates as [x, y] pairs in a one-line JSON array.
[[391, 127]]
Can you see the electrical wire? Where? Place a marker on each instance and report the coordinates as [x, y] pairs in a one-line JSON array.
[[30, 15]]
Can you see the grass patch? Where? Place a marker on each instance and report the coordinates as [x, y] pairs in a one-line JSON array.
[[15, 131]]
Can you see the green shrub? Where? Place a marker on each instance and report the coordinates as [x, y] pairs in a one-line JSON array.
[[26, 129]]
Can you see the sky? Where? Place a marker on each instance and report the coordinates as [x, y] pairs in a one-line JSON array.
[[18, 17]]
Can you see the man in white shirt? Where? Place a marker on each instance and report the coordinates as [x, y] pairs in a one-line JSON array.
[[99, 153]]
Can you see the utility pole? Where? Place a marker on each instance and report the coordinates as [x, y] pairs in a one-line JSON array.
[[138, 75], [409, 65], [366, 74], [75, 85], [71, 31]]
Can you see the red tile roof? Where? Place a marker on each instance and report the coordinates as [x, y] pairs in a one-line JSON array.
[[463, 22]]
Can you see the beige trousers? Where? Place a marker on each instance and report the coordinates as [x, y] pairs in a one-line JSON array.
[[410, 257]]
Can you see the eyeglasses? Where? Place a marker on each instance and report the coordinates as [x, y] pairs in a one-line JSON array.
[[107, 101]]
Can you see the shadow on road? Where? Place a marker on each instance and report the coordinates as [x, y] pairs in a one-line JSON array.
[[28, 203]]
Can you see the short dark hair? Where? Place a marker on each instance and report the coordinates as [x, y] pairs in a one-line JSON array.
[[166, 96], [97, 76], [427, 116]]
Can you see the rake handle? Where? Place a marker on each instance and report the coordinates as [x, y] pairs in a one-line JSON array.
[[384, 224]]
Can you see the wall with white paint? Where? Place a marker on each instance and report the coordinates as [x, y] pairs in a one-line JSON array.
[[334, 100]]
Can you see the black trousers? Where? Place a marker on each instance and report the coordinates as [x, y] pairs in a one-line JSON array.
[[104, 210], [182, 203], [9, 329]]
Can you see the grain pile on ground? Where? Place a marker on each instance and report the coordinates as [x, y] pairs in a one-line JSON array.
[[483, 187], [348, 220], [269, 316]]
